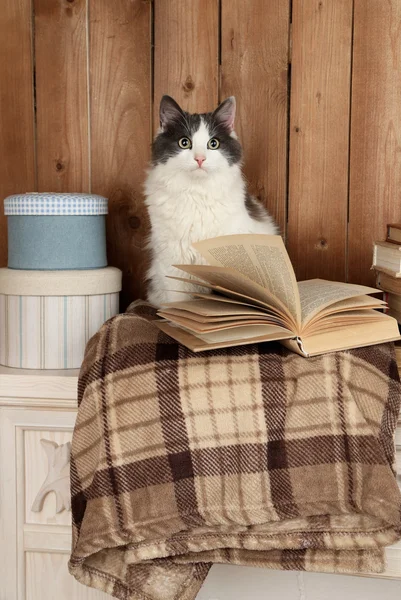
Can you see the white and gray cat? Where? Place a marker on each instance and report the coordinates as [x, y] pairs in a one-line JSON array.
[[195, 190]]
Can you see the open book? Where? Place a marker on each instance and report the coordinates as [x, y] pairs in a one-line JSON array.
[[256, 298]]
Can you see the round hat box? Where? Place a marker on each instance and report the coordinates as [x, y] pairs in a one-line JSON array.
[[49, 231], [47, 317]]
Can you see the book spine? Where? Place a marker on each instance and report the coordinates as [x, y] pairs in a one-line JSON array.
[[374, 256], [395, 274], [390, 241], [385, 298], [394, 301], [395, 314], [301, 346], [386, 283]]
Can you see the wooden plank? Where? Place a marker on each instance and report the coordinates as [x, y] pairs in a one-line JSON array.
[[375, 174], [17, 164], [120, 92], [61, 95], [186, 54], [319, 137], [254, 68]]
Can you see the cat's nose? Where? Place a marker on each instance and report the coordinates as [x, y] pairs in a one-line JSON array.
[[200, 160]]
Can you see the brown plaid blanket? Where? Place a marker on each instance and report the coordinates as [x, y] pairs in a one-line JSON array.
[[250, 456]]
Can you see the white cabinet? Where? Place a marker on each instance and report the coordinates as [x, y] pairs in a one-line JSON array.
[[37, 415]]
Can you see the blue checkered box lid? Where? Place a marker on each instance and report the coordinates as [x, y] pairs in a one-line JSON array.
[[55, 204]]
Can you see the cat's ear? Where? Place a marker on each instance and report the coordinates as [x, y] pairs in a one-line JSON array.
[[225, 113], [170, 112]]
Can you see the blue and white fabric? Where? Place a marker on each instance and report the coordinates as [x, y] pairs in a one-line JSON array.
[[55, 204]]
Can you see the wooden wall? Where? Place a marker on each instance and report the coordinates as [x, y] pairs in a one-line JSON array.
[[318, 85]]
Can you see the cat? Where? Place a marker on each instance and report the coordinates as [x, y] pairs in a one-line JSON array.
[[195, 190]]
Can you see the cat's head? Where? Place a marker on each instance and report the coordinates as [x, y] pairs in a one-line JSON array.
[[197, 144]]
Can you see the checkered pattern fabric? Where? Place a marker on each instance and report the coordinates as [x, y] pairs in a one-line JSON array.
[[55, 204], [249, 455]]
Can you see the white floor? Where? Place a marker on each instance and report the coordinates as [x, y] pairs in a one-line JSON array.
[[244, 583]]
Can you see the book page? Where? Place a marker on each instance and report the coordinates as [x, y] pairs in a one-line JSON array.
[[355, 303], [226, 278], [241, 333], [196, 326], [261, 258], [232, 299], [172, 312], [384, 329], [333, 321], [214, 297], [317, 294], [346, 337], [250, 336], [222, 294], [210, 308]]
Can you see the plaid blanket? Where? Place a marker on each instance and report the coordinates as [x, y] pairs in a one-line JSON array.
[[250, 456]]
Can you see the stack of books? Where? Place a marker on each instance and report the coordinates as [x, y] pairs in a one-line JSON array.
[[387, 263]]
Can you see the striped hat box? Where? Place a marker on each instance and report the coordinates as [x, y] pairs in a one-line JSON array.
[[46, 318]]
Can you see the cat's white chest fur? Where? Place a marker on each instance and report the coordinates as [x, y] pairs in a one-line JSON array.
[[183, 211]]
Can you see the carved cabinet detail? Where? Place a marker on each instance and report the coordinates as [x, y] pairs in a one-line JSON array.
[[58, 476]]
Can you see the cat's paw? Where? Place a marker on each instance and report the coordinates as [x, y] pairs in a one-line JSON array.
[[159, 297]]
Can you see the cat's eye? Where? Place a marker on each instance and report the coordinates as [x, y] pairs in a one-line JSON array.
[[213, 144], [185, 143]]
